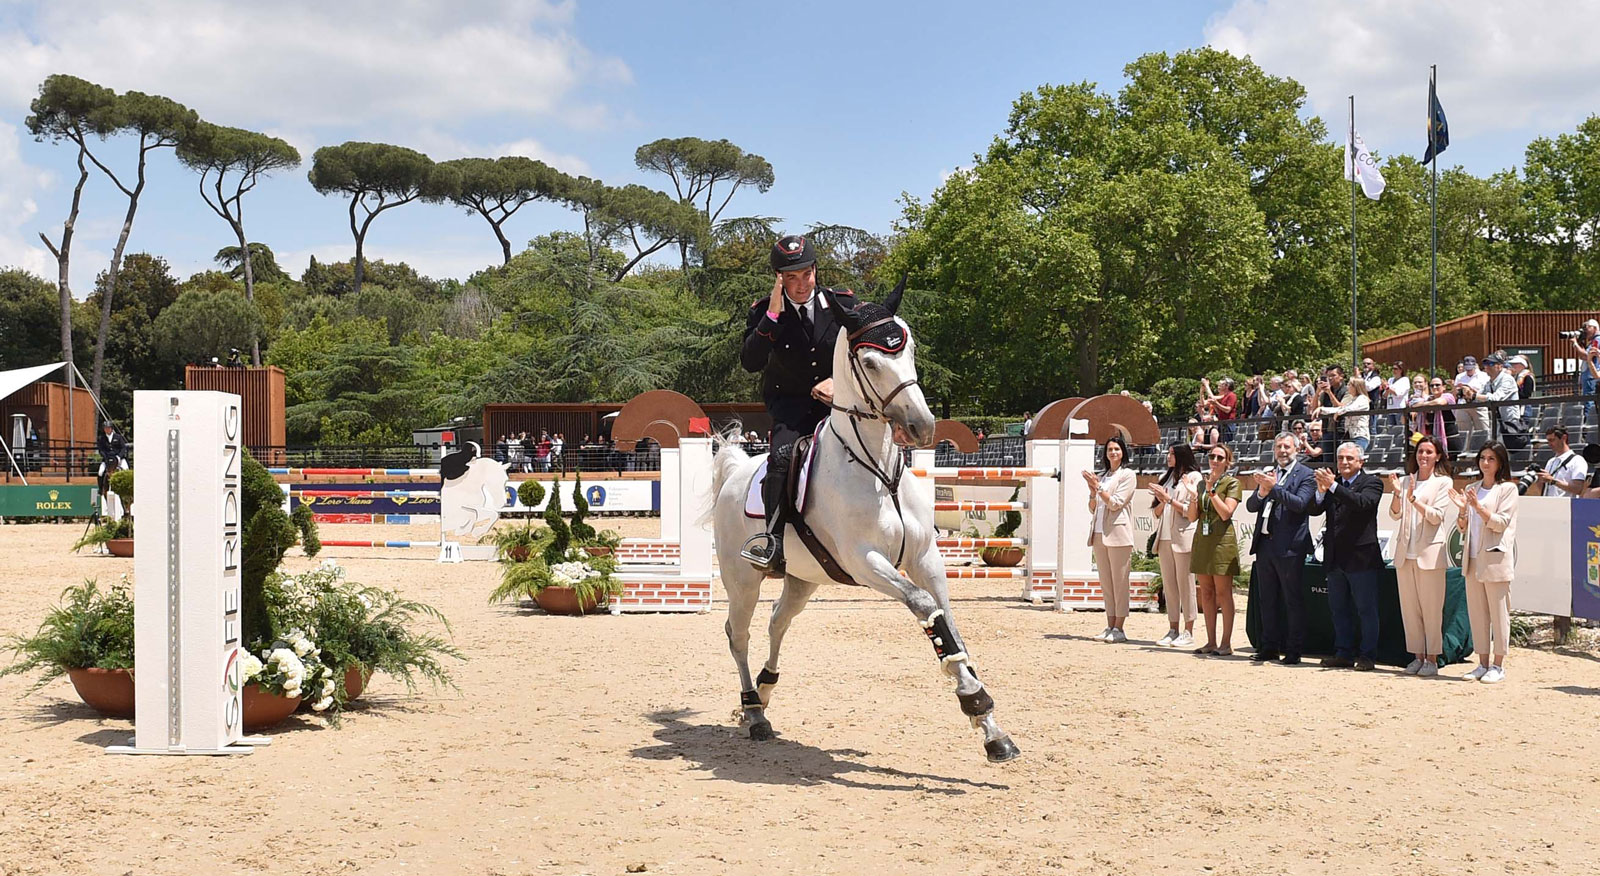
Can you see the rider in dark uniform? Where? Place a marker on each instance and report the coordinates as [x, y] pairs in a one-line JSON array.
[[789, 337]]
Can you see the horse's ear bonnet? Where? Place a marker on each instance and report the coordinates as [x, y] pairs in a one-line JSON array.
[[870, 324]]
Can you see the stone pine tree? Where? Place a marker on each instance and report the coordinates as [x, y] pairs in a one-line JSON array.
[[71, 110], [158, 123], [705, 174], [496, 188], [231, 161], [376, 177]]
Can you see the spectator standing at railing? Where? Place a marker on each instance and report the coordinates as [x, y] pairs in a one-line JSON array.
[[1587, 346], [1527, 384], [1351, 414], [529, 449], [1371, 377], [1474, 378], [1224, 405], [1396, 392], [558, 449], [1565, 471], [1439, 424], [1502, 388]]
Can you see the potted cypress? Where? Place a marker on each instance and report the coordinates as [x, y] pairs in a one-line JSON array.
[[1009, 521]]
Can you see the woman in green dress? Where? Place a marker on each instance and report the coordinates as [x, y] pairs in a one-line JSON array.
[[1215, 558]]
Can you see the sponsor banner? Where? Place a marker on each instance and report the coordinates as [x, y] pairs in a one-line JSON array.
[[369, 505], [1585, 557], [609, 496], [61, 500]]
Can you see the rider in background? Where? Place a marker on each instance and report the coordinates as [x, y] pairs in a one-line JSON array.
[[789, 338]]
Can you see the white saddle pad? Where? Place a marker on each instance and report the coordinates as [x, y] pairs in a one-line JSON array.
[[755, 508]]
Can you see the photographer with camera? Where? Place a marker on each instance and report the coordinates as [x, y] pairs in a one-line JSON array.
[[1566, 470], [1586, 341]]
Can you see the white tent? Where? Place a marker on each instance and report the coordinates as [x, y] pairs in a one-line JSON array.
[[17, 378]]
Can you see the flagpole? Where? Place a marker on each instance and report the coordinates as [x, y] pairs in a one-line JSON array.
[[1355, 356], [1433, 268]]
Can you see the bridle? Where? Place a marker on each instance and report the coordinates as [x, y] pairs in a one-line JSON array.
[[877, 407]]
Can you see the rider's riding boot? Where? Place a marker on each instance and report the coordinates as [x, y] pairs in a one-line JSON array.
[[764, 550]]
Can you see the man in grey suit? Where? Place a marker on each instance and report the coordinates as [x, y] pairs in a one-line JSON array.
[[1281, 542]]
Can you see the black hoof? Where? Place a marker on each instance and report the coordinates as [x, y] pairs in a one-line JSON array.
[[1001, 750], [761, 730]]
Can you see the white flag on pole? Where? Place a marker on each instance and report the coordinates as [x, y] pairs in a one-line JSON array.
[[1365, 170]]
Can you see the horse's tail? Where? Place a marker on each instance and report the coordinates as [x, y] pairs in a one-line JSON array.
[[729, 456]]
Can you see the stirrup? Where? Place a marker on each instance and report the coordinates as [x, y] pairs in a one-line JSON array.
[[761, 550]]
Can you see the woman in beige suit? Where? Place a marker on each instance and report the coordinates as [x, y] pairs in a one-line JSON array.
[[1489, 520], [1173, 502], [1111, 535], [1422, 502]]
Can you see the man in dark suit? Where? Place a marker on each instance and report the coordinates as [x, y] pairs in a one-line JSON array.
[[1281, 542], [1352, 557], [789, 338]]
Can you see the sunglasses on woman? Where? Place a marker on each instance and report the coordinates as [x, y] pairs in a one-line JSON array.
[[1220, 457]]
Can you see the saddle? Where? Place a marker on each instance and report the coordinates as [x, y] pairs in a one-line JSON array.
[[795, 487]]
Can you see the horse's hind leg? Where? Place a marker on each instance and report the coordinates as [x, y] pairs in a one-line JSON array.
[[796, 593], [743, 585]]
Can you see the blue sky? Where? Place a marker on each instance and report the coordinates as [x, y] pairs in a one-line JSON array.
[[853, 103]]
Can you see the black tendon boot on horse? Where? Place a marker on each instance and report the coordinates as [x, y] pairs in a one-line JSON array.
[[764, 550]]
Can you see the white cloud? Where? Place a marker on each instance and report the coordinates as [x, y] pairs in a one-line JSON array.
[[310, 63], [443, 146], [1502, 67], [20, 187]]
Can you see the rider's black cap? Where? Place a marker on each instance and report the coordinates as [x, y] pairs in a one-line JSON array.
[[792, 253]]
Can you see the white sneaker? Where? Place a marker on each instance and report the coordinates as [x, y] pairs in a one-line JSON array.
[[1495, 675], [1428, 670], [1476, 674], [1414, 667], [1184, 640], [1168, 640], [1117, 637], [1104, 636]]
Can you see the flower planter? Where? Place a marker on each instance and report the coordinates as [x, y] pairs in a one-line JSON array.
[[120, 547], [564, 600], [263, 710], [518, 553], [107, 691], [599, 550], [1002, 556], [355, 681]]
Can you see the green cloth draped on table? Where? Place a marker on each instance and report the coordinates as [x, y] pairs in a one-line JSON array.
[[1391, 631]]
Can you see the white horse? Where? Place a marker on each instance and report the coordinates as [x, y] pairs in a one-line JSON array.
[[870, 514]]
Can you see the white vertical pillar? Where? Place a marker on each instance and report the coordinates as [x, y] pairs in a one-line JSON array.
[[1042, 526], [693, 461], [1075, 559], [187, 556], [672, 491]]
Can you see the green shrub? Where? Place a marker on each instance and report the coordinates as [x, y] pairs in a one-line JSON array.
[[91, 628]]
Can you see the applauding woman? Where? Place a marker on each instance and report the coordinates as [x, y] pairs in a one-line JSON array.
[[1173, 504], [1112, 533], [1215, 554], [1422, 501], [1489, 520]]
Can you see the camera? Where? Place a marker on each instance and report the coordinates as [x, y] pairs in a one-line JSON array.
[[1527, 479], [1572, 335]]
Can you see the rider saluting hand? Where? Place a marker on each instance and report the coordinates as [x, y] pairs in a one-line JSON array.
[[789, 338]]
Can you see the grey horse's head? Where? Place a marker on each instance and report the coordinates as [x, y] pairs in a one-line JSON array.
[[875, 367]]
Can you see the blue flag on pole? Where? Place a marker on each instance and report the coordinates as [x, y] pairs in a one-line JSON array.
[[1438, 128]]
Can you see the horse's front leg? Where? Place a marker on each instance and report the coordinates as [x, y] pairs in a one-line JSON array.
[[928, 598], [796, 593]]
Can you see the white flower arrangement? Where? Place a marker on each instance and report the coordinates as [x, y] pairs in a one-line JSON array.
[[290, 667], [570, 574]]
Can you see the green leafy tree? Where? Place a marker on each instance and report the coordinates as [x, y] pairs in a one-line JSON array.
[[231, 161], [200, 323], [496, 188], [1555, 235], [144, 288], [29, 321], [72, 110], [376, 177], [263, 261]]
